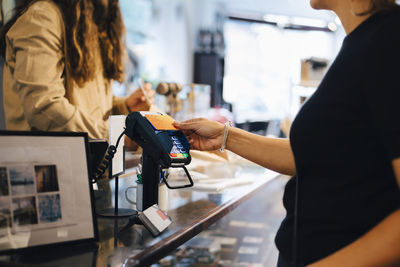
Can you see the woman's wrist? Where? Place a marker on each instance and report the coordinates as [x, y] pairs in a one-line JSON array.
[[225, 133]]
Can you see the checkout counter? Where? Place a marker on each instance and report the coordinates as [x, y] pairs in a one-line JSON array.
[[122, 243]]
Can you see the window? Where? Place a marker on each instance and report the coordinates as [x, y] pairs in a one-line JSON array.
[[262, 65]]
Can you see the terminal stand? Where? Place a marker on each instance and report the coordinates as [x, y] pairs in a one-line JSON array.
[[116, 212]]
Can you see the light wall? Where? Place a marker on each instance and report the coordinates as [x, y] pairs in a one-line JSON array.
[[172, 36]]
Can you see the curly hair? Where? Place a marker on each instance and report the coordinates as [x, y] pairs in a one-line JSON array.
[[86, 22]]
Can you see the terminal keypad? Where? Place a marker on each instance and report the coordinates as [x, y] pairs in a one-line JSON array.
[[178, 150]]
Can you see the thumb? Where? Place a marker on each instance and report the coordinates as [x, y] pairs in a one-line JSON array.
[[177, 124], [190, 124], [182, 125]]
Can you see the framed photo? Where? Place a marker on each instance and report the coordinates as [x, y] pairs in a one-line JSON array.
[[45, 193]]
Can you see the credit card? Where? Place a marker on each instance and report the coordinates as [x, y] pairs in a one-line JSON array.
[[161, 122]]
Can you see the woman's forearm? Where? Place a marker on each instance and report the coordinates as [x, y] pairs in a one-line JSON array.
[[272, 153]]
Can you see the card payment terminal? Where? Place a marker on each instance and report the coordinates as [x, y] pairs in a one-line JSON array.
[[163, 146]]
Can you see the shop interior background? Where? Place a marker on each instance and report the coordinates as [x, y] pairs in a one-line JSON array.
[[261, 44]]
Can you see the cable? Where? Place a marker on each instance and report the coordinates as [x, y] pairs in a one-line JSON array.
[[119, 138], [109, 155]]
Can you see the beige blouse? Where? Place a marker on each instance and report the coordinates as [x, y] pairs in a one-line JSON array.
[[36, 96]]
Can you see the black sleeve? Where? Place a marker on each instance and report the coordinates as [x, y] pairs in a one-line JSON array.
[[382, 86]]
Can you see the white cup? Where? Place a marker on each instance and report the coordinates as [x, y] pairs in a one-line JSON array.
[[139, 196], [162, 196]]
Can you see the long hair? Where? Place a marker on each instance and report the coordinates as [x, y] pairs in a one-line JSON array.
[[86, 22]]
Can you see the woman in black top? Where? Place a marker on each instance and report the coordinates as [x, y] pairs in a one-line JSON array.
[[343, 150]]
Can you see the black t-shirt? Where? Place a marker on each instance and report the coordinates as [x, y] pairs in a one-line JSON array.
[[344, 139]]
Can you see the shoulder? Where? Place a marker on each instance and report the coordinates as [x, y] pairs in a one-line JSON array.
[[382, 60], [383, 42], [387, 28], [45, 10], [41, 16]]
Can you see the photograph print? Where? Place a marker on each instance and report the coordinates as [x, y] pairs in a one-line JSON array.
[[5, 215], [3, 181], [21, 180], [49, 208], [24, 211], [46, 178]]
